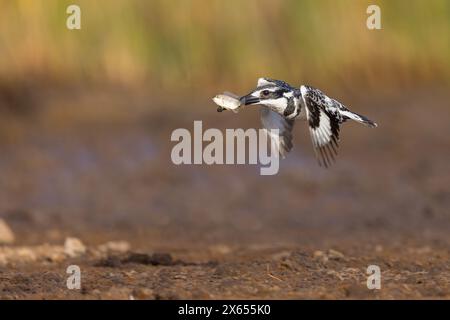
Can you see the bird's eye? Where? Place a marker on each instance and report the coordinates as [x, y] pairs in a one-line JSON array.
[[265, 93]]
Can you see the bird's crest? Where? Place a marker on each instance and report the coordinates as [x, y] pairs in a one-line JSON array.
[[262, 82]]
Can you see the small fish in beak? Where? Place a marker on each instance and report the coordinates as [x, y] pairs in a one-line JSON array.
[[227, 101]]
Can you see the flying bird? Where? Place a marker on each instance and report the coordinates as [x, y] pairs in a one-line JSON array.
[[281, 104]]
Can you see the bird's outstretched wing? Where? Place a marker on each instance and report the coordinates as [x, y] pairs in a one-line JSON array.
[[282, 140], [324, 120]]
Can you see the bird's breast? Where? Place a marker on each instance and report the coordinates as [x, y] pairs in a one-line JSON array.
[[294, 109], [301, 110], [291, 108]]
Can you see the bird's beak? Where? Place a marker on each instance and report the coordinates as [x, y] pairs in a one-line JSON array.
[[249, 99]]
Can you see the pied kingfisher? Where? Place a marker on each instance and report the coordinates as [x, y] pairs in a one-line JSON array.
[[282, 104]]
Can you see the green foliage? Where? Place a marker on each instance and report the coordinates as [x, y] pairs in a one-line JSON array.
[[197, 43]]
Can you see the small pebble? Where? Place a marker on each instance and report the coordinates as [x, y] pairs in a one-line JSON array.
[[6, 234], [73, 247]]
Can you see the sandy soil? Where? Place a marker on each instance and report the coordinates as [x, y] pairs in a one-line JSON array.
[[96, 166]]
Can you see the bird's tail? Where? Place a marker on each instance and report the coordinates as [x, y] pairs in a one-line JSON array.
[[359, 118]]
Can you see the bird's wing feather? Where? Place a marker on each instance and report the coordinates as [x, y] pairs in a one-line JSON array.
[[272, 120], [323, 120]]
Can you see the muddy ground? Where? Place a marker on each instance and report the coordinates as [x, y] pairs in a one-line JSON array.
[[95, 165]]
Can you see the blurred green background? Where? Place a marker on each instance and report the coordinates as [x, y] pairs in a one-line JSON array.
[[192, 44]]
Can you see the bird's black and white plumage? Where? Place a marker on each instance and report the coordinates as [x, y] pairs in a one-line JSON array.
[[282, 104]]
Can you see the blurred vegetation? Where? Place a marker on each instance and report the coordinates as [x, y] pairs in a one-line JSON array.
[[190, 44]]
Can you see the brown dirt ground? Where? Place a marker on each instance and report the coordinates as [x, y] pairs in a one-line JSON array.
[[96, 166]]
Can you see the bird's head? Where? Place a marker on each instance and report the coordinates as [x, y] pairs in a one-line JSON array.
[[272, 93]]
